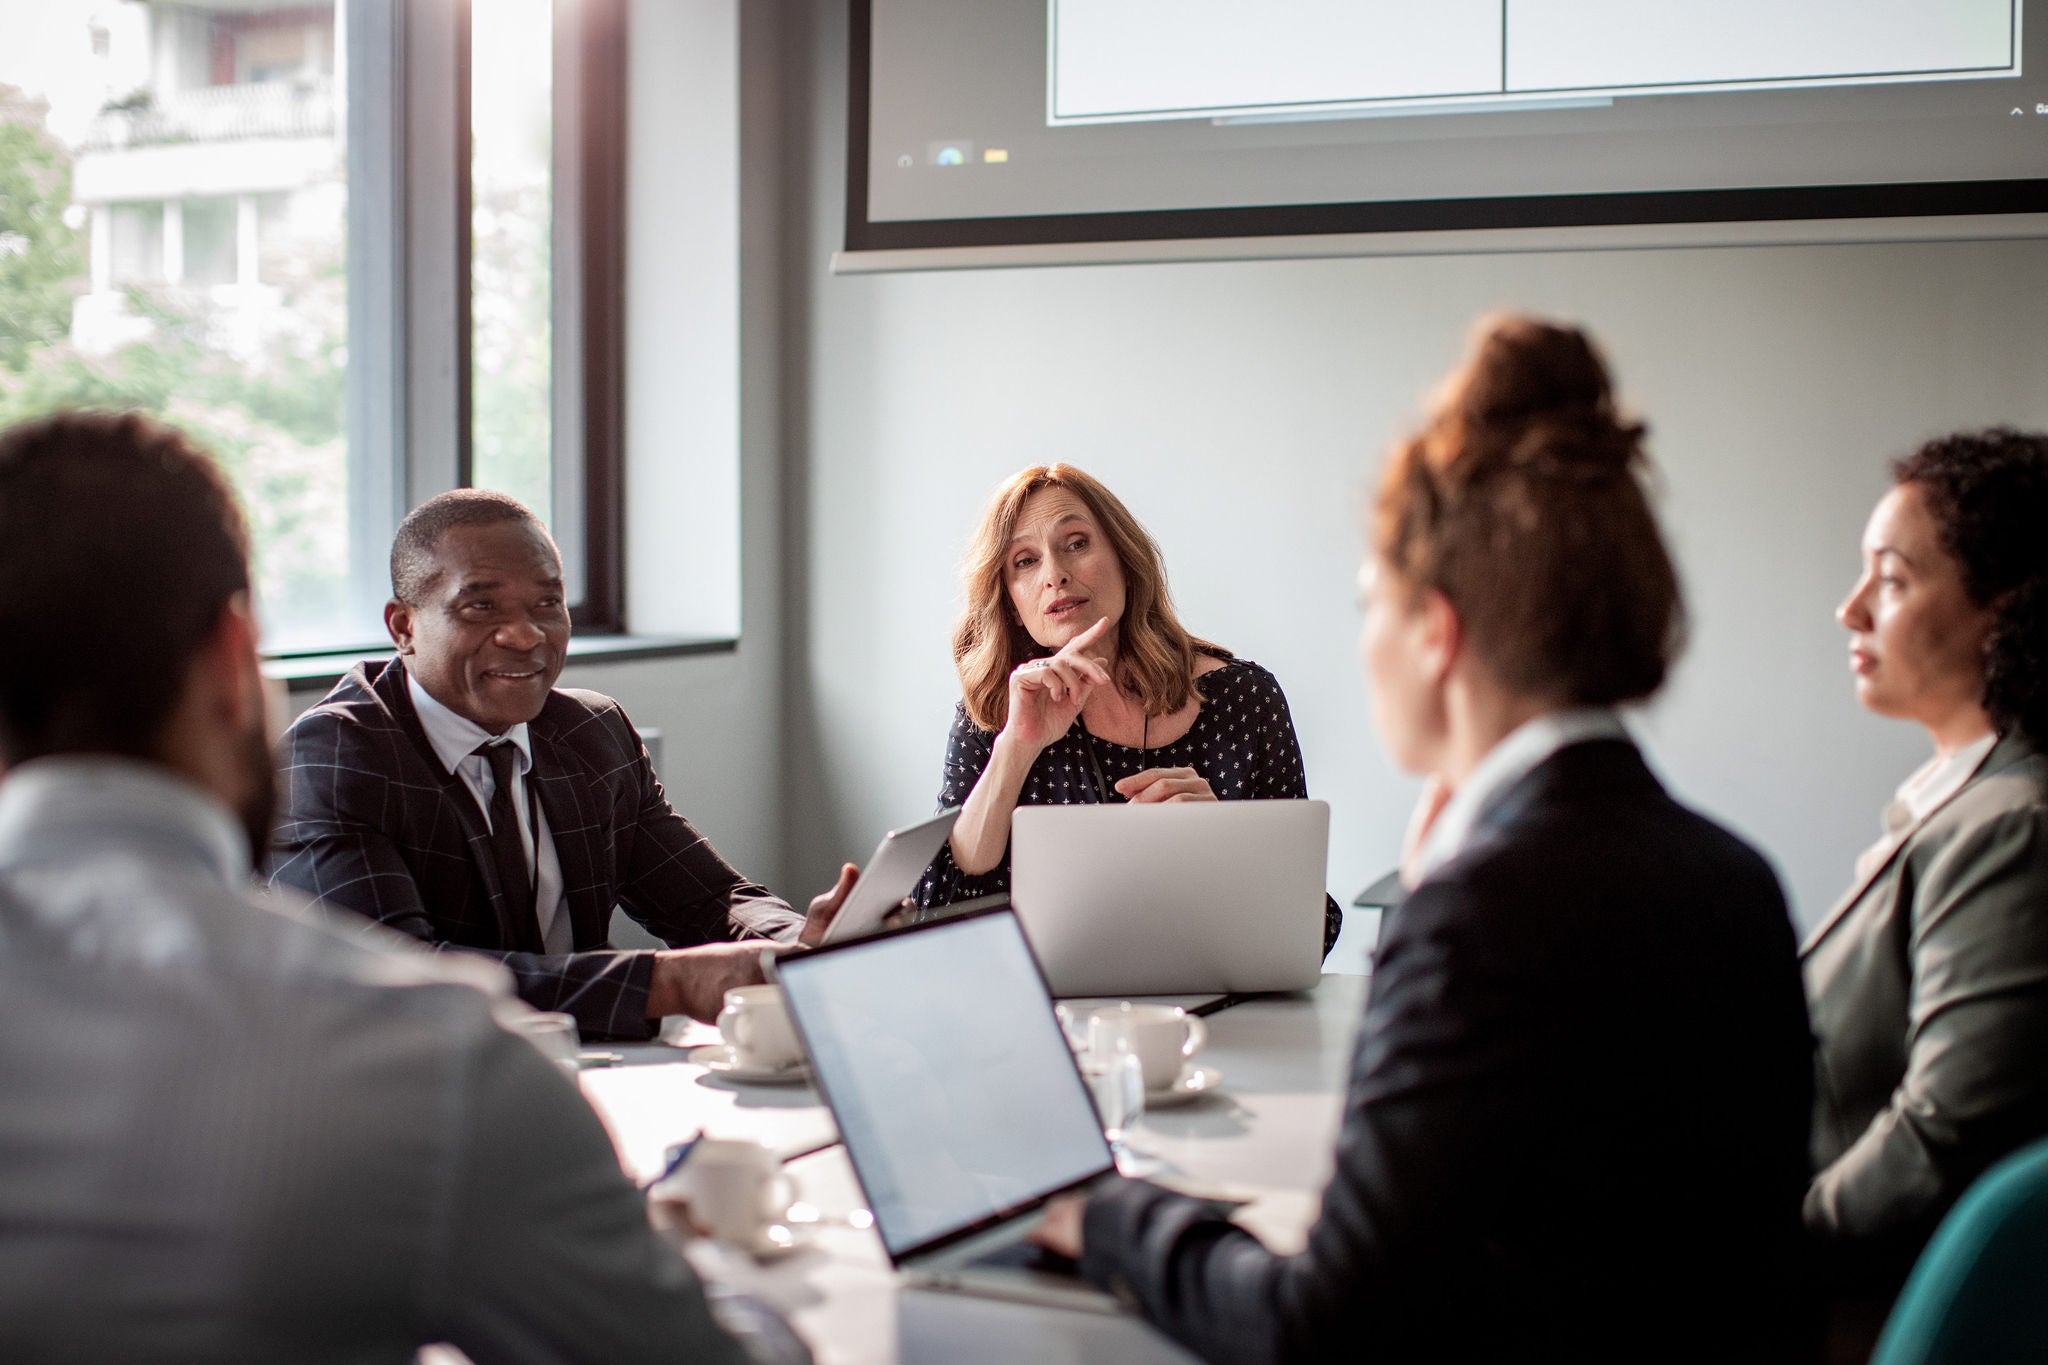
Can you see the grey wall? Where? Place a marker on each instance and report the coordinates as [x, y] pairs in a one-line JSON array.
[[1240, 409]]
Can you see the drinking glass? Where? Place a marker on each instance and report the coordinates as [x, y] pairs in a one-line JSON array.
[[554, 1034], [1117, 1083], [1075, 1026]]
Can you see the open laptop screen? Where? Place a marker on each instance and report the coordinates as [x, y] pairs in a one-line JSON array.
[[954, 1091]]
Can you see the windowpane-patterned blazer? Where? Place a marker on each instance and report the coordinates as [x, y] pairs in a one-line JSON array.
[[373, 823]]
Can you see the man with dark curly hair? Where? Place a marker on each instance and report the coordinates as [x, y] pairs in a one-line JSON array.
[[1928, 982]]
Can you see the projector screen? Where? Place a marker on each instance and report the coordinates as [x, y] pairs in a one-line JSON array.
[[1057, 121]]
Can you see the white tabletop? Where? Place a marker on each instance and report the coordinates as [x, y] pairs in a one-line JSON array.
[[1268, 1135], [659, 1096], [844, 1301], [1284, 1060]]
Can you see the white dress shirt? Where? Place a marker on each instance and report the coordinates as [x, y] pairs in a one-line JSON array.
[[1919, 796], [455, 740], [237, 1132], [1517, 754]]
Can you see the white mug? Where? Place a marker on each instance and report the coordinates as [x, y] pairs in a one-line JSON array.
[[755, 1025], [732, 1189], [1163, 1037]]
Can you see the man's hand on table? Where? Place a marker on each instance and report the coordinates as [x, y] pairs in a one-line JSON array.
[[825, 908], [1059, 1231], [694, 981]]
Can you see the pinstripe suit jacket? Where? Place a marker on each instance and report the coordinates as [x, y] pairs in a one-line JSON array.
[[372, 822]]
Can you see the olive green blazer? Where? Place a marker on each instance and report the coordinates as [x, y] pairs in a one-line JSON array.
[[1927, 986]]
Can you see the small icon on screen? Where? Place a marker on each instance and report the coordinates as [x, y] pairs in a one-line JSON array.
[[2041, 108], [993, 155], [903, 163], [950, 153]]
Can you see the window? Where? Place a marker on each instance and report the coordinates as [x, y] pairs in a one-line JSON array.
[[512, 222], [209, 232], [340, 244], [137, 246]]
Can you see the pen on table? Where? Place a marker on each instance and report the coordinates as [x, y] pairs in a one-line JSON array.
[[673, 1160]]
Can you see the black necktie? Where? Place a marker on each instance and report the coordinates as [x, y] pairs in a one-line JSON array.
[[506, 845]]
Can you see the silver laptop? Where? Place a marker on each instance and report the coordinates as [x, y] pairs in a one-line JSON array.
[[956, 1097], [1172, 899], [900, 859]]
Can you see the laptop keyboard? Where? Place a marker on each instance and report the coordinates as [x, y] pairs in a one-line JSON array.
[[1021, 1255]]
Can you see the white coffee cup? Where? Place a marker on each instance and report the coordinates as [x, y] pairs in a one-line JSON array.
[[755, 1025], [554, 1034], [733, 1189], [1162, 1037]]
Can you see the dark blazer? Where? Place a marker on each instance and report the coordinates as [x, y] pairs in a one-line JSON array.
[[1928, 985], [1576, 1122], [373, 823]]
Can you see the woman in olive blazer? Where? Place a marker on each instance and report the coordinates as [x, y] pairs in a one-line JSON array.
[[1927, 984]]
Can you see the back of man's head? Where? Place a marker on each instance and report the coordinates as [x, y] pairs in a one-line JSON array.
[[120, 545]]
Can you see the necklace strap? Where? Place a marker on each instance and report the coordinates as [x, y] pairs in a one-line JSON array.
[[1103, 791]]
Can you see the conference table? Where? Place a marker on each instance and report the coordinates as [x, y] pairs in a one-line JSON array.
[[1267, 1135]]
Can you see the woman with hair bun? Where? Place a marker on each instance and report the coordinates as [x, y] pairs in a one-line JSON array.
[[1928, 982], [1576, 1121]]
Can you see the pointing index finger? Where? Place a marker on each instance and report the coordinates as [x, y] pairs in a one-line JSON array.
[[1087, 637]]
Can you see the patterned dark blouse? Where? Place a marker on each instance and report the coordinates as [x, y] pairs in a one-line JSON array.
[[1242, 741]]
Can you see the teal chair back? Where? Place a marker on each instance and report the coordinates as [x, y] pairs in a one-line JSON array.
[[1980, 1291]]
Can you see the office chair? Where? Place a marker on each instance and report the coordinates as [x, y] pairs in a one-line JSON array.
[[1977, 1293]]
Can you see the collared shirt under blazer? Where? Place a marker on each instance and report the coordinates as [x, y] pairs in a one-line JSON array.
[[1928, 990], [373, 822], [1575, 1124]]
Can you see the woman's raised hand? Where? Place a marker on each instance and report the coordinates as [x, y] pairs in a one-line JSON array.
[[1046, 694]]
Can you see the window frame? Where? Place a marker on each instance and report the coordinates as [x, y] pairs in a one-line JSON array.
[[590, 300], [410, 228]]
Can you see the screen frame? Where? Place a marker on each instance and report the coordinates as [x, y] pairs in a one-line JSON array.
[[1591, 212], [778, 966]]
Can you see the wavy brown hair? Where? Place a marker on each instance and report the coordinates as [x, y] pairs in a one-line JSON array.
[[1155, 658], [1523, 500]]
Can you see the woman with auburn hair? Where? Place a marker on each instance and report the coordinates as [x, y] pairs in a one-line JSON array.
[[1928, 981], [1081, 685], [1576, 1122]]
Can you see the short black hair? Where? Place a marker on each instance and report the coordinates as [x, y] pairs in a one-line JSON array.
[[1988, 493], [412, 550], [120, 545]]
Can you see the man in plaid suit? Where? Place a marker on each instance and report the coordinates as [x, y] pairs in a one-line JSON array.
[[457, 795]]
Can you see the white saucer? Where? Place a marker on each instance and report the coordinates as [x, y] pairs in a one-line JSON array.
[[1192, 1083], [783, 1237], [778, 1240], [718, 1059]]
